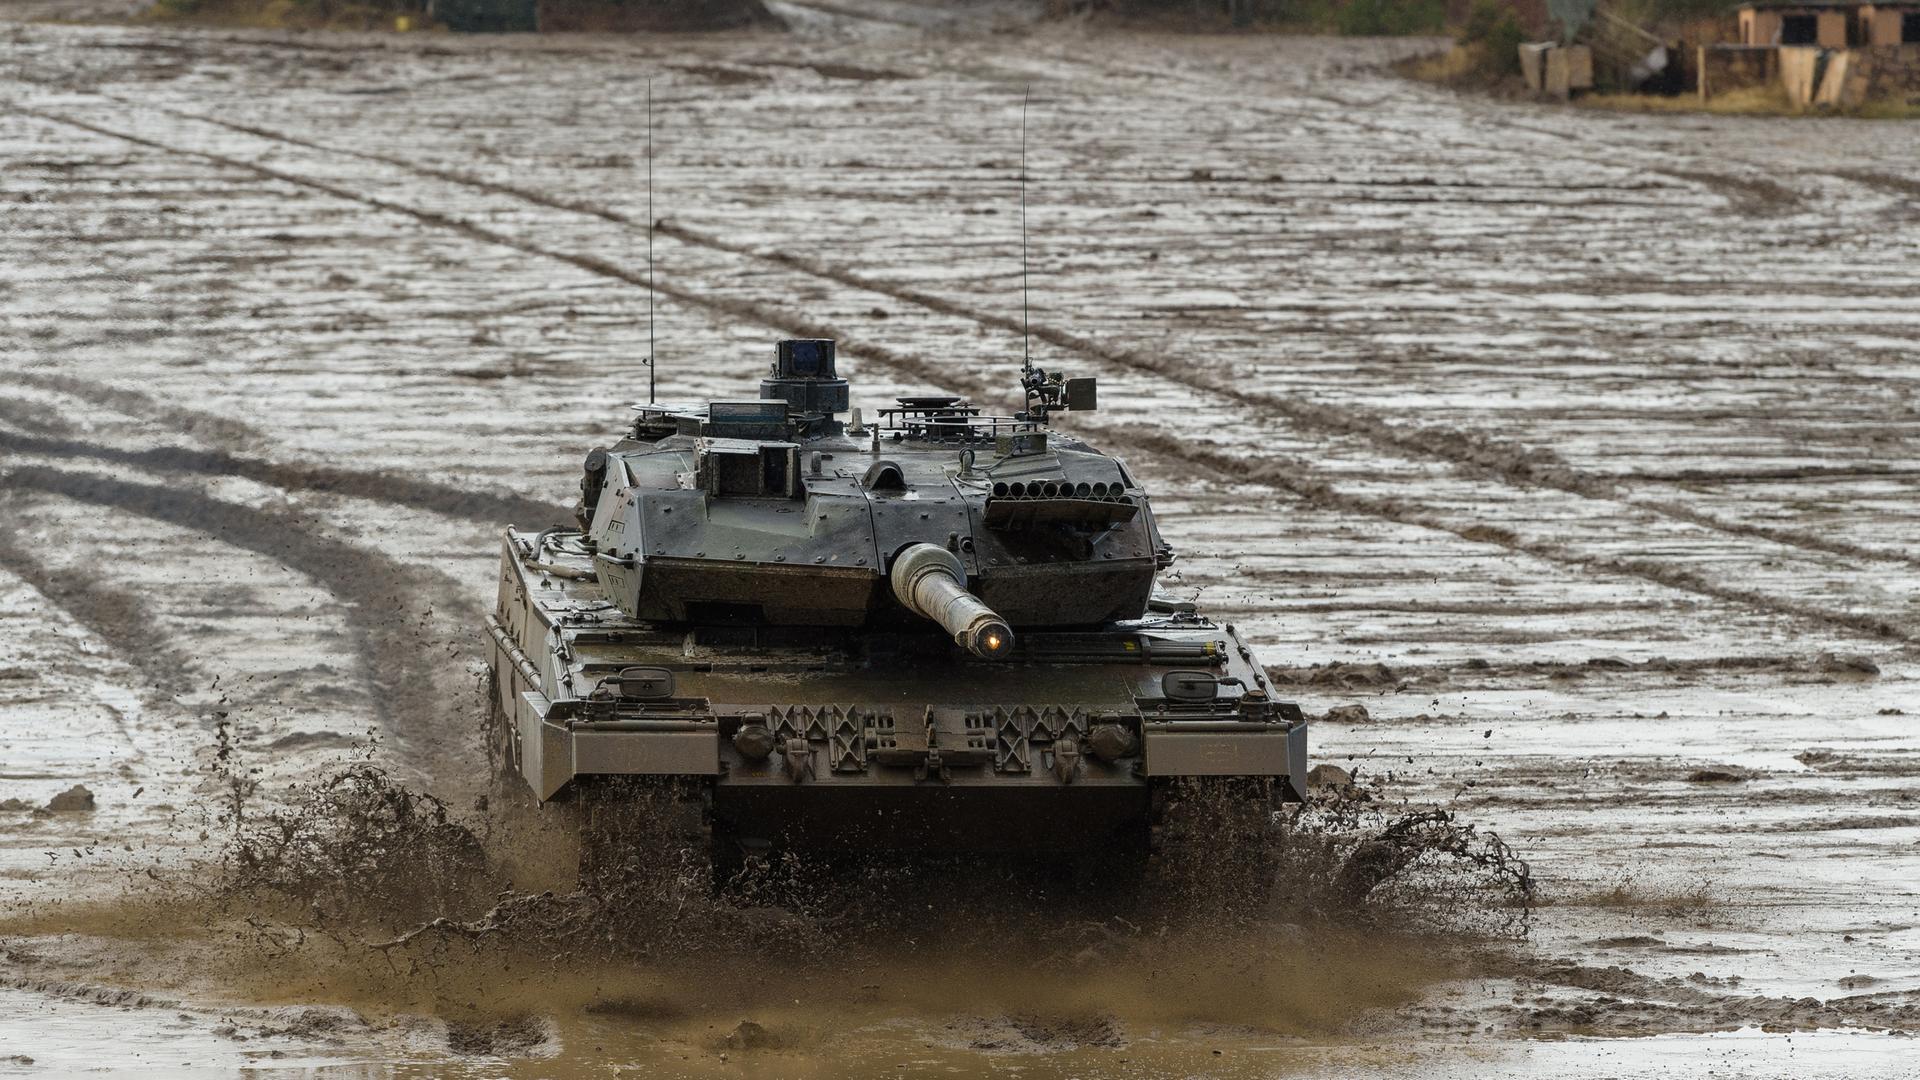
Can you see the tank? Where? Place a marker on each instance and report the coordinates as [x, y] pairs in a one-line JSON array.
[[929, 628]]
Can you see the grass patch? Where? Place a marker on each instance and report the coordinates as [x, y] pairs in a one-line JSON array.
[[1752, 101], [291, 14], [1363, 18], [1887, 110], [1456, 65], [1466, 68], [1377, 18], [1485, 53]]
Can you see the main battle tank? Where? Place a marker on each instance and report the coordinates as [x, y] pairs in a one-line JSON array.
[[935, 630]]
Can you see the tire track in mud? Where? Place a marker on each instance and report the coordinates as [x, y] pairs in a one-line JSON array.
[[1296, 477], [393, 636], [28, 417], [113, 615], [1475, 452], [1903, 186], [205, 426], [481, 506], [1748, 195], [1632, 1003], [763, 314], [1293, 476], [1486, 674]]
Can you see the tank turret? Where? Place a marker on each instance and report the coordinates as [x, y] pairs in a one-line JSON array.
[[770, 512]]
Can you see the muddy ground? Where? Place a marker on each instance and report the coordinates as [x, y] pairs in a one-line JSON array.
[[1579, 450]]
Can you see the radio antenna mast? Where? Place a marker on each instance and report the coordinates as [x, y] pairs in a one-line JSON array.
[[650, 294], [1026, 343]]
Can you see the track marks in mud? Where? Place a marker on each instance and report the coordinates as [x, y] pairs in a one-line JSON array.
[[113, 615], [1501, 674], [418, 676], [1475, 452], [1904, 186], [1299, 478], [767, 316], [238, 440], [485, 507], [28, 417], [205, 426], [1491, 135], [1635, 1004], [1748, 194], [450, 175]]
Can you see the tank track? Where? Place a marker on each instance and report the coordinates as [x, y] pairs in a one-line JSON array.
[[633, 828], [1185, 814], [625, 822]]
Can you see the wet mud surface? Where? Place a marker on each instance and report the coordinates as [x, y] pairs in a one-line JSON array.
[[1564, 463]]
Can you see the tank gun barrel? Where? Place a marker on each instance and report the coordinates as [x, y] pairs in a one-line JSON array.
[[930, 582]]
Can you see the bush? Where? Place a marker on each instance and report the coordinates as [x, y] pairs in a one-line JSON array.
[[1494, 35], [1384, 17]]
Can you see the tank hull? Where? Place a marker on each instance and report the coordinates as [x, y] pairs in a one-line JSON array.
[[879, 737]]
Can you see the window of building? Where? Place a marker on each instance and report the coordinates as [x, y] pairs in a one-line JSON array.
[[1910, 28], [1799, 29]]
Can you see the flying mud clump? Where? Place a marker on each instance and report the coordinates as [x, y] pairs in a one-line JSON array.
[[351, 847], [1343, 858], [356, 847]]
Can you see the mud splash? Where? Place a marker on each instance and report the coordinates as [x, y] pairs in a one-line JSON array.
[[357, 847], [356, 892], [1338, 864]]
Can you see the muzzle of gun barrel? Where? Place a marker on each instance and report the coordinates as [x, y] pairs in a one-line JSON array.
[[930, 582]]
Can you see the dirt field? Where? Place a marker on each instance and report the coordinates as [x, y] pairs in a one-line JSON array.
[[1583, 451]]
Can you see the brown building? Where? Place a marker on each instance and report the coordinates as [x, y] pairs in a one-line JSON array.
[[1829, 24], [1889, 24], [1795, 22]]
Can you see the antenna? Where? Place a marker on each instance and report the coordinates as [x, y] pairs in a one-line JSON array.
[[1026, 343], [650, 293]]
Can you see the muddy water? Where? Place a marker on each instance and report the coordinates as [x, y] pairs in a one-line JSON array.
[[919, 1011], [1578, 449]]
